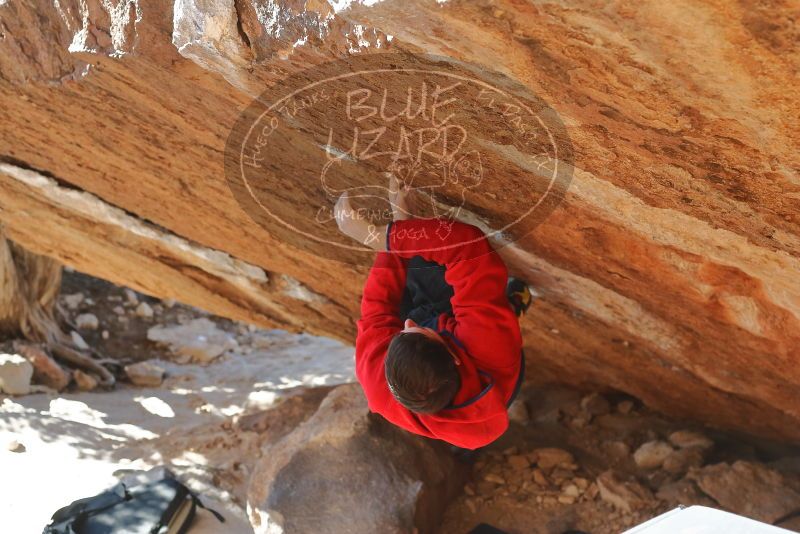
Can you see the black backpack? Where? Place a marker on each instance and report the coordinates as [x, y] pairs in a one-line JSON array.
[[163, 506]]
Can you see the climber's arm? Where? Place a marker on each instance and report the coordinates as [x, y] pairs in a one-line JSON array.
[[352, 225], [379, 322]]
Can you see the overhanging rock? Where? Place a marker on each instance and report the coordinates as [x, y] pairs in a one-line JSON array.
[[669, 269]]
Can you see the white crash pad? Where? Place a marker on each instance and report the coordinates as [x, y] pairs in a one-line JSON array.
[[703, 520]]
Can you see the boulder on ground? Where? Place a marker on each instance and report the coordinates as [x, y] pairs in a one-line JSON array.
[[46, 370], [346, 470], [15, 374], [748, 488], [145, 374], [198, 340]]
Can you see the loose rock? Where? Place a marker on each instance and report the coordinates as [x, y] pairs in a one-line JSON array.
[[595, 404], [15, 446], [652, 454], [581, 420], [592, 491], [15, 374], [87, 321], [145, 374], [73, 301], [680, 460], [688, 438], [627, 496], [144, 310], [572, 490], [549, 457], [131, 297], [78, 341], [84, 381], [539, 477], [497, 479], [45, 369], [519, 462]]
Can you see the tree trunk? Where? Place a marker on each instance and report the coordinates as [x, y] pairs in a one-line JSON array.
[[29, 286]]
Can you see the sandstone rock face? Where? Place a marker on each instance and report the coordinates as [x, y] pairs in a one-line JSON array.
[[668, 269], [345, 470]]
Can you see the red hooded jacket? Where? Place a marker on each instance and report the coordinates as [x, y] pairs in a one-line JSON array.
[[483, 330]]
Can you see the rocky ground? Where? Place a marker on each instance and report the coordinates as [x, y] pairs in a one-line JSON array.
[[604, 463], [197, 392]]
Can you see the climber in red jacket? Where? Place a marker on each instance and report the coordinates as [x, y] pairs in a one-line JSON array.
[[439, 351]]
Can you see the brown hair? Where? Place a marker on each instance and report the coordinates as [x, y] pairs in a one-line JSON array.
[[421, 372]]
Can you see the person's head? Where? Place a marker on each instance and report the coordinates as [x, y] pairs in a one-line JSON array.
[[421, 369]]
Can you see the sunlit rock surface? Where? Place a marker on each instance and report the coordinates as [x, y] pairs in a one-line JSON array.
[[670, 269]]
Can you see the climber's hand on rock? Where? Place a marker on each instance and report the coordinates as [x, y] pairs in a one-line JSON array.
[[351, 224], [398, 198]]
